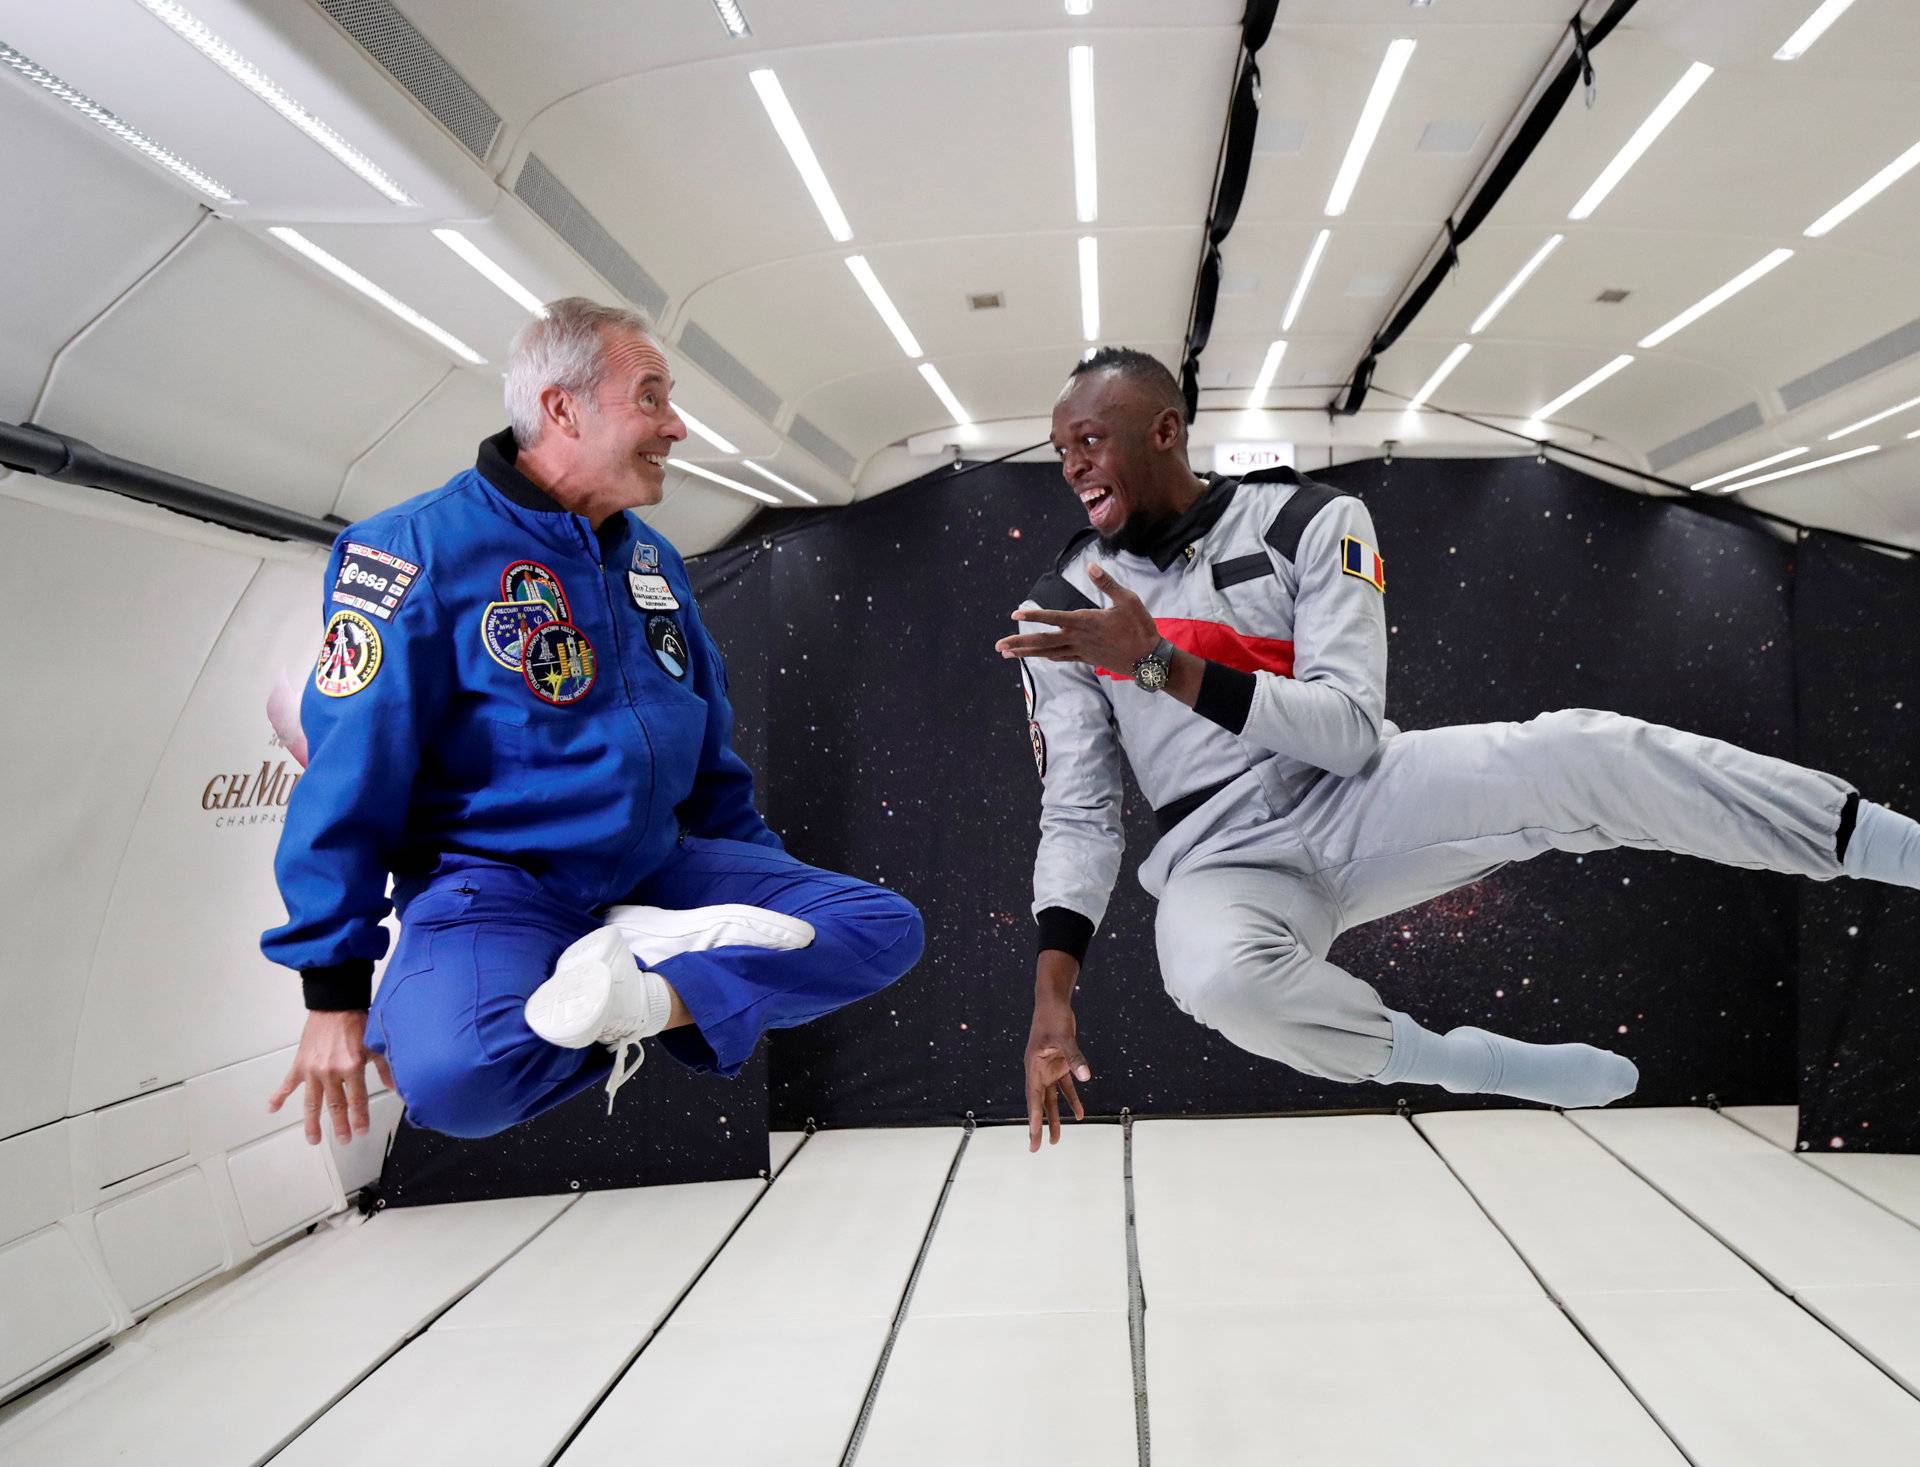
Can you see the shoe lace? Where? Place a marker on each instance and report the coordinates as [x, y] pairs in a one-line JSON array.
[[623, 1049]]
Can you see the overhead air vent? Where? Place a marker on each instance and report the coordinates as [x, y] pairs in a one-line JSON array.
[[1742, 419], [567, 217], [804, 434], [390, 39], [1612, 296], [1897, 345], [728, 370], [992, 300]]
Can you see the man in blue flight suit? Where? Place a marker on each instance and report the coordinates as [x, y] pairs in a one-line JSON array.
[[517, 713]]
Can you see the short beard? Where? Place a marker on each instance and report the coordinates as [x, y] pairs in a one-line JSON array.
[[1141, 530]]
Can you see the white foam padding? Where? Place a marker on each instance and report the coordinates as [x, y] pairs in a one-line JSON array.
[[1466, 1381], [36, 1180], [52, 1304], [1582, 1220], [280, 1183], [1247, 1213], [1779, 1124], [1802, 1229], [161, 1239], [121, 1141], [1752, 1380], [358, 1161], [780, 1146]]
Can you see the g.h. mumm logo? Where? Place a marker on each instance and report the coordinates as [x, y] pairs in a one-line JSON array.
[[251, 799]]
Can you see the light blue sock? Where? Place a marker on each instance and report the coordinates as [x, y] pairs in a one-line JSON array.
[[1884, 846], [1471, 1061]]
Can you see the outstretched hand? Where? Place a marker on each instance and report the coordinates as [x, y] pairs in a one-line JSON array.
[[1114, 636], [332, 1063]]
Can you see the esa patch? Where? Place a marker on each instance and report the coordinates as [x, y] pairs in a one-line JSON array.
[[1039, 741], [528, 580], [349, 655], [373, 580], [557, 661], [504, 626], [651, 593], [1357, 558], [669, 648]]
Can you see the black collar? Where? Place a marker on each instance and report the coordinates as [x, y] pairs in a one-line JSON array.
[[496, 465], [1200, 517]]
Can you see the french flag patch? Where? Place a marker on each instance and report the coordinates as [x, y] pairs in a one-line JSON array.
[[1357, 558]]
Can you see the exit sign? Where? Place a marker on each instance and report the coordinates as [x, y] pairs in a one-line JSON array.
[[1236, 459]]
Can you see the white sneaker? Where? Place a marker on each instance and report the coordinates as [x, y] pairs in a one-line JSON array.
[[599, 995], [656, 934]]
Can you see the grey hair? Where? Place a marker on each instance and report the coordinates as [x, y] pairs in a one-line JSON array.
[[565, 348]]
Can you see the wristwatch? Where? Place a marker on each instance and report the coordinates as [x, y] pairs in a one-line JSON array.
[[1150, 672]]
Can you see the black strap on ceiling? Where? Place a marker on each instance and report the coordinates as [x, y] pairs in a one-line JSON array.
[[1229, 189], [1578, 66]]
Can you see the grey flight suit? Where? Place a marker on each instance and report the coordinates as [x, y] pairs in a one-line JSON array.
[[1290, 809]]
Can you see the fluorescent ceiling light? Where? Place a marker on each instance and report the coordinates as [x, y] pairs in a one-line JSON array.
[[896, 323], [1762, 463], [1385, 82], [1454, 358], [1656, 123], [467, 250], [1719, 297], [735, 484], [1811, 29], [1819, 463], [701, 430], [128, 134], [1889, 412], [770, 474], [1508, 291], [1306, 278], [1867, 191], [184, 25], [1089, 287], [733, 18], [1269, 369], [340, 270], [1079, 7], [1086, 172], [1581, 388], [780, 113], [944, 393]]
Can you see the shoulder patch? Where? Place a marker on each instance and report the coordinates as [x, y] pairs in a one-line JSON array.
[[1284, 533], [1357, 558], [372, 580], [350, 655]]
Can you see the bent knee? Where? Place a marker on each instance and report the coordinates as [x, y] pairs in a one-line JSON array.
[[468, 1101]]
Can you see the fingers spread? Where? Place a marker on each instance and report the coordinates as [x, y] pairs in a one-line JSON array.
[[313, 1112], [291, 1084]]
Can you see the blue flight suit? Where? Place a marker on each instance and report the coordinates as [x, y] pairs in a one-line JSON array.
[[524, 722]]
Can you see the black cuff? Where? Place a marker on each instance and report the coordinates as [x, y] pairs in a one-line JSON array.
[[1226, 696], [339, 986], [1065, 930], [1849, 814]]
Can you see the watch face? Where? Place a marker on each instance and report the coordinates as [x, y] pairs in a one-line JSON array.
[[1151, 674]]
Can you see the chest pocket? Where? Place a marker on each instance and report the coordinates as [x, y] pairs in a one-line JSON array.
[[1252, 597]]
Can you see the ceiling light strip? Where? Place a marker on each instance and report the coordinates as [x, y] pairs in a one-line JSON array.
[[1079, 7], [733, 18], [191, 30], [344, 272], [1454, 358], [1385, 82], [1762, 463], [1581, 388], [883, 303], [1086, 170], [780, 112], [1695, 77], [1733, 287], [1866, 193], [1877, 417], [126, 132], [1811, 30], [711, 477], [769, 474], [944, 393], [1306, 278], [1512, 287], [481, 261], [1089, 288], [1819, 463], [1269, 369], [701, 430]]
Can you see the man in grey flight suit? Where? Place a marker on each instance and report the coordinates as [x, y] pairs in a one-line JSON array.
[[1229, 637]]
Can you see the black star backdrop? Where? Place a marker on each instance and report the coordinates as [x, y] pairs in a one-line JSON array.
[[891, 743]]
